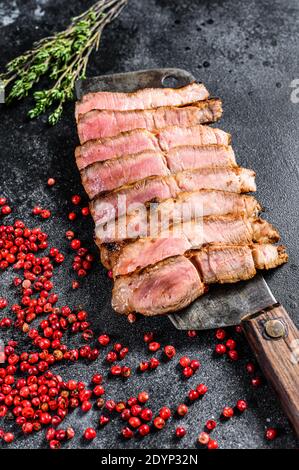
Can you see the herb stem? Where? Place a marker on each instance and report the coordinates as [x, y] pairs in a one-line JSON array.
[[63, 57]]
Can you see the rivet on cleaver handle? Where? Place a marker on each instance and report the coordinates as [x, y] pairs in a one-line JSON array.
[[132, 81]]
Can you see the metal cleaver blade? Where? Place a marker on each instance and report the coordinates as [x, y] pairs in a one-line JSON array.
[[225, 305]]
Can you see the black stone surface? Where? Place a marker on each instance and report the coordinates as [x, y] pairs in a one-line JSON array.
[[245, 52]]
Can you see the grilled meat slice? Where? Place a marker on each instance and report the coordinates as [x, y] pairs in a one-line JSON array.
[[99, 124], [146, 98], [170, 211], [112, 174], [168, 286], [236, 180], [144, 292], [194, 135], [126, 143], [192, 157], [269, 256], [139, 140], [119, 202], [190, 235]]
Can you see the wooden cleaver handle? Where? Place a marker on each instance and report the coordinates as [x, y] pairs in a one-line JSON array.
[[275, 341]]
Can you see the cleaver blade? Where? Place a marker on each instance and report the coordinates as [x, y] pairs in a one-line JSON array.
[[225, 305]]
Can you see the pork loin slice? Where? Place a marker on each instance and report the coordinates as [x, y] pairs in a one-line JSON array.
[[174, 136], [142, 291], [99, 124], [191, 157], [129, 256], [126, 143], [111, 174], [225, 264], [109, 206], [269, 256], [146, 98], [138, 140], [236, 180], [130, 197], [185, 205], [218, 264], [166, 287]]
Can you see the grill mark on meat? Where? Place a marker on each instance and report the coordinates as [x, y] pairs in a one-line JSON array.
[[112, 174], [142, 292], [137, 254], [139, 140], [99, 124], [147, 98], [228, 179]]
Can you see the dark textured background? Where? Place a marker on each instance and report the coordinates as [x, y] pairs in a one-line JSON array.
[[245, 52]]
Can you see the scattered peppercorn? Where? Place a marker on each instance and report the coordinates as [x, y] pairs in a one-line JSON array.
[[51, 182], [271, 434], [180, 432]]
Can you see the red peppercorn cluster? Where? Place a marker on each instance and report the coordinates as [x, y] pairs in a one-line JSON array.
[[83, 259], [43, 213], [118, 353], [150, 365], [189, 367], [198, 392], [56, 436], [38, 399], [76, 200], [5, 209], [229, 348]]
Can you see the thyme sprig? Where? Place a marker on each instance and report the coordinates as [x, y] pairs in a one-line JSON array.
[[62, 57]]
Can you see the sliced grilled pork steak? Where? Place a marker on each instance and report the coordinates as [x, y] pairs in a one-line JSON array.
[[119, 202], [171, 211], [194, 135], [129, 256], [146, 98], [191, 157], [98, 124], [111, 174], [121, 145], [164, 288]]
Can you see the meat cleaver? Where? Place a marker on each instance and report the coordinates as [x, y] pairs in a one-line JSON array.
[[267, 326]]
